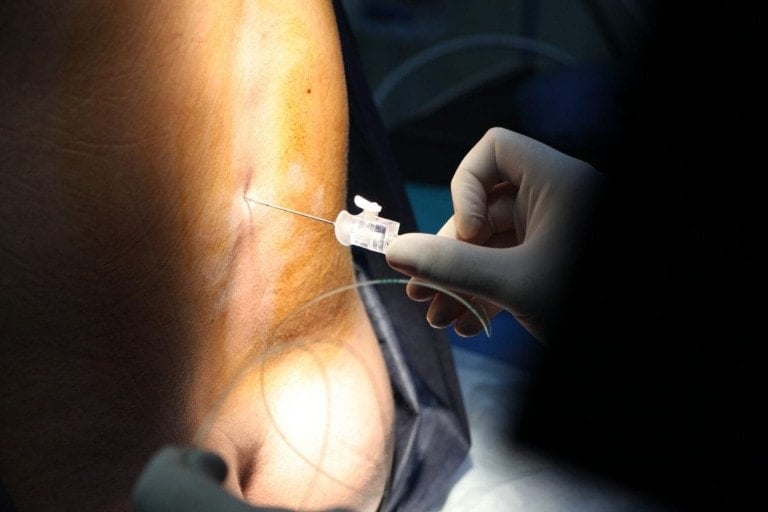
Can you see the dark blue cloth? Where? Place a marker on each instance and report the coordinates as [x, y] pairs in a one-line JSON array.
[[431, 430]]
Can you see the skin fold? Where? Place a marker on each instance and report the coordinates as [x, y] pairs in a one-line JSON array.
[[136, 280]]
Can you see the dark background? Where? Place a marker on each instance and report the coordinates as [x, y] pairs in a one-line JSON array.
[[656, 379], [657, 376]]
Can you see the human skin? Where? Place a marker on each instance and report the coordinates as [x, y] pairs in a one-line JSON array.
[[135, 279]]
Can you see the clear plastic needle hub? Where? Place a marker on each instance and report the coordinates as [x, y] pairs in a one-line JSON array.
[[366, 229]]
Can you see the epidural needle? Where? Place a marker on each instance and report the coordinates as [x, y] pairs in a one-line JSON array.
[[289, 210], [366, 229]]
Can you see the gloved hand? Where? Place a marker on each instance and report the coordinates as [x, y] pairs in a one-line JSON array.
[[187, 480], [520, 209]]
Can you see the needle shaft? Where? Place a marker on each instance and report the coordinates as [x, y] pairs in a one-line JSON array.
[[250, 199]]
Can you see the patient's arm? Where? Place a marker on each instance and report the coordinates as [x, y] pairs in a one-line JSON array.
[[135, 278]]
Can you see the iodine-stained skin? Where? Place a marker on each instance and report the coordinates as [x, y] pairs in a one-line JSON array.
[[134, 277]]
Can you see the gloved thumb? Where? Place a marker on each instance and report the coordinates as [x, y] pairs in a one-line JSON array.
[[170, 482], [460, 266]]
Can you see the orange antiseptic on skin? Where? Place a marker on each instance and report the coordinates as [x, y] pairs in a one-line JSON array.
[[291, 149], [154, 278]]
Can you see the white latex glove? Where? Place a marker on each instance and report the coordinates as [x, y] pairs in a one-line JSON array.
[[520, 209]]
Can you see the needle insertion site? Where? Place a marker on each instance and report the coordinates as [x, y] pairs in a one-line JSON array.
[[366, 229]]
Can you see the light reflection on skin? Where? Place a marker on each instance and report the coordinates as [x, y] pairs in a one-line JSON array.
[[159, 280]]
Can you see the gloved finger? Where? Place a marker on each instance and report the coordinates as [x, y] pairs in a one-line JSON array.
[[502, 201], [490, 273], [186, 479], [470, 316], [501, 232], [499, 156], [169, 483], [443, 311], [207, 463], [499, 216], [468, 324], [418, 291], [448, 229], [425, 293]]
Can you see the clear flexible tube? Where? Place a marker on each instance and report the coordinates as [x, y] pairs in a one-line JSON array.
[[272, 352], [288, 338]]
